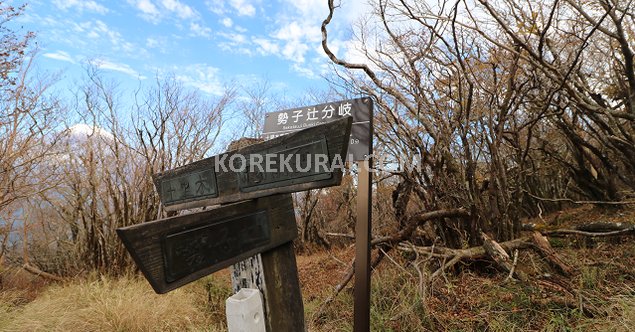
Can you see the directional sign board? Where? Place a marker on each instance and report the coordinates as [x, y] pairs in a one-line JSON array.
[[288, 121], [175, 251], [299, 161]]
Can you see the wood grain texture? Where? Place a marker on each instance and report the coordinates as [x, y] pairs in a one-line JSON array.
[[283, 297], [150, 247], [231, 186]]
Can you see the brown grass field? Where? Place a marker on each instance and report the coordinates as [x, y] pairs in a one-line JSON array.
[[601, 294]]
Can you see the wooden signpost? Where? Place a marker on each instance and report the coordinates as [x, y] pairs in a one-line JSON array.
[[360, 150], [174, 251], [241, 174]]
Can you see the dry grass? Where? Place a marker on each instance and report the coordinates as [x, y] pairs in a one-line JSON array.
[[401, 301], [471, 302], [126, 304], [477, 298]]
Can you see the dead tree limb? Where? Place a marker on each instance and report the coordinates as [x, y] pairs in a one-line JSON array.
[[564, 232], [344, 235], [546, 251], [495, 251], [604, 226], [417, 220], [412, 223], [569, 200], [454, 256], [595, 229], [40, 273]]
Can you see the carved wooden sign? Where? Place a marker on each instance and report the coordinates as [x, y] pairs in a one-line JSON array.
[[298, 161], [174, 251]]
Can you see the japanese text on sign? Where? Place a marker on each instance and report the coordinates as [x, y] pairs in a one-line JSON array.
[[313, 114], [287, 121]]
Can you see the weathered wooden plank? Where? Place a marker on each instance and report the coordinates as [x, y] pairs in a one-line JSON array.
[[283, 297], [174, 251], [276, 166]]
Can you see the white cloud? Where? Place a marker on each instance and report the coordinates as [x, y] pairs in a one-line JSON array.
[[181, 10], [79, 5], [235, 42], [200, 76], [159, 43], [312, 10], [100, 31], [266, 46], [60, 55], [154, 12], [290, 31], [200, 30], [303, 71], [118, 67], [153, 42], [148, 10], [295, 51], [243, 7], [297, 34], [295, 38], [227, 22], [216, 6]]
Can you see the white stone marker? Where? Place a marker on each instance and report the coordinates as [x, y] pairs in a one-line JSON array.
[[245, 311]]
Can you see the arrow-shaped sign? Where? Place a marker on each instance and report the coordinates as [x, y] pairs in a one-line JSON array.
[[307, 159], [175, 251]]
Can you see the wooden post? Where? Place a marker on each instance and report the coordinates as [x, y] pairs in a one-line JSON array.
[[275, 274], [284, 310], [283, 298]]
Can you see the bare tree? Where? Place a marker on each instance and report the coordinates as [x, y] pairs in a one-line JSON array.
[[27, 120], [108, 163], [501, 105]]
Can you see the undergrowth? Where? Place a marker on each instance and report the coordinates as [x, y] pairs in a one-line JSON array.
[[104, 304], [402, 299], [601, 294]]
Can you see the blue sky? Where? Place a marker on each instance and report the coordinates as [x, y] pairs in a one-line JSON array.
[[205, 44]]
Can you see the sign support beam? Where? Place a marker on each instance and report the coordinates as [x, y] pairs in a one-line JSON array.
[[283, 299], [361, 310], [363, 235]]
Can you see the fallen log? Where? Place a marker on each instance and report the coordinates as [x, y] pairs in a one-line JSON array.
[[546, 251], [603, 227], [565, 232], [595, 229], [344, 235], [40, 273], [454, 256], [496, 252]]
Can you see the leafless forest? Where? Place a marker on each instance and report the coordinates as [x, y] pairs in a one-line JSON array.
[[514, 111]]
